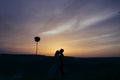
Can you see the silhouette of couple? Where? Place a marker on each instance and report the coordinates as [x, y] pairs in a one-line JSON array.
[[59, 58], [57, 69]]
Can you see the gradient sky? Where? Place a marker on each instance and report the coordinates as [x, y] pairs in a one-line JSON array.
[[83, 28]]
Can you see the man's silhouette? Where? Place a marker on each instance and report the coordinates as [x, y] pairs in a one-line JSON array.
[[61, 62]]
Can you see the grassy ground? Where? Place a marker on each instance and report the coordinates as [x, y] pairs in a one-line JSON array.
[[31, 67]]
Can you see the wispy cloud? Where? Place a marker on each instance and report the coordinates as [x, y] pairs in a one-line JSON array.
[[61, 28], [95, 19]]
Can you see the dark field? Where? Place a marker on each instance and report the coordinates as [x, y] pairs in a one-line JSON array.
[[32, 67]]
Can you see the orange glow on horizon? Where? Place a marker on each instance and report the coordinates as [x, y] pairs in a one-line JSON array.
[[49, 45]]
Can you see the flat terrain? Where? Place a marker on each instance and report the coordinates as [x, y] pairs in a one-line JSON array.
[[33, 67]]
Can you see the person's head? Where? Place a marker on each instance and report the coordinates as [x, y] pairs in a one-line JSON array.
[[61, 50], [57, 51]]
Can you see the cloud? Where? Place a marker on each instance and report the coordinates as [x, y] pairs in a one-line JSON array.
[[61, 28]]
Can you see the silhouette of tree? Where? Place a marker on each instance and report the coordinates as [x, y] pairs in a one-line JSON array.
[[37, 39]]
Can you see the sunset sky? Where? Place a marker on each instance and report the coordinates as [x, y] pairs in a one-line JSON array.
[[83, 28]]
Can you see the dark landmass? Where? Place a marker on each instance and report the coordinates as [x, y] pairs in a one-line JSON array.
[[35, 67]]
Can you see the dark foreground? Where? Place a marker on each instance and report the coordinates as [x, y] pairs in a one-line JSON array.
[[32, 67]]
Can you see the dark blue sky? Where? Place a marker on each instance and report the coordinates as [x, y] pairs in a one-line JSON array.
[[82, 27]]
